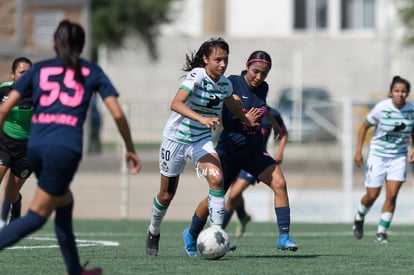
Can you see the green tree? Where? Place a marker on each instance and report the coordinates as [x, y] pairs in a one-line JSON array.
[[114, 20]]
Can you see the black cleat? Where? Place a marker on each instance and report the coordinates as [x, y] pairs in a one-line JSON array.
[[151, 245], [381, 238], [358, 229], [16, 209]]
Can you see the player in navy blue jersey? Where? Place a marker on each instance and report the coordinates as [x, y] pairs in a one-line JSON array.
[[14, 168], [241, 147], [235, 199], [61, 89]]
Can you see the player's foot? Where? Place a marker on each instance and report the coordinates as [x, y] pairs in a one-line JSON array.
[[16, 209], [151, 245], [241, 226], [381, 238], [190, 243], [358, 229], [93, 271], [232, 247], [285, 243]]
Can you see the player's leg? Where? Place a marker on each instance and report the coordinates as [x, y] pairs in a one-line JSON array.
[[236, 202], [172, 160], [160, 204], [274, 178], [392, 189], [4, 179], [374, 178], [19, 173], [396, 176], [367, 200], [208, 166]]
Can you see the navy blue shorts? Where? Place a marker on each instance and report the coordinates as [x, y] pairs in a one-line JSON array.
[[54, 167], [253, 164], [246, 176]]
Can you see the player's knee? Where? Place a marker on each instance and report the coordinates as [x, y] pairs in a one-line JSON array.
[[165, 197]]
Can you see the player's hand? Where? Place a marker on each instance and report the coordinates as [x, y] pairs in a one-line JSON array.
[[210, 122], [411, 156], [252, 116], [358, 159], [133, 162]]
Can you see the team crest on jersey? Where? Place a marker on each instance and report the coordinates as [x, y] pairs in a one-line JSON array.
[[164, 166]]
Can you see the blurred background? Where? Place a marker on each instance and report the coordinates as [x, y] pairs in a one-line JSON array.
[[332, 61]]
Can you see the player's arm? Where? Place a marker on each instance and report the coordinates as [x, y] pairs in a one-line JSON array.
[[178, 105], [275, 125], [8, 104], [234, 104], [411, 156], [363, 129], [282, 135], [115, 109]]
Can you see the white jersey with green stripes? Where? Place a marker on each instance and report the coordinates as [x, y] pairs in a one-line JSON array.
[[393, 128], [206, 98]]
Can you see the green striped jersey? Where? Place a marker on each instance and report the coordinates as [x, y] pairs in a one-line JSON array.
[[206, 98], [393, 128]]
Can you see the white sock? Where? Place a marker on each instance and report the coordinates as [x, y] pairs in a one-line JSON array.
[[158, 213], [216, 207], [385, 222], [362, 211]]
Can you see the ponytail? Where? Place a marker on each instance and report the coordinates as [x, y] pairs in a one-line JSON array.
[[69, 42]]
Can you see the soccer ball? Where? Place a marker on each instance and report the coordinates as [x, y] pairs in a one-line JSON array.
[[213, 243]]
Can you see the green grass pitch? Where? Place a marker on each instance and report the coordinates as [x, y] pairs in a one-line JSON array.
[[118, 247]]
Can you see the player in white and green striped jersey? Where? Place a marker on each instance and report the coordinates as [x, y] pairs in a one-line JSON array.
[[195, 113], [393, 119]]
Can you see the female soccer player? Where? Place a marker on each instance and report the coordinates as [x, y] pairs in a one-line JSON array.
[[14, 167], [241, 147], [393, 119], [187, 134], [235, 199], [61, 89]]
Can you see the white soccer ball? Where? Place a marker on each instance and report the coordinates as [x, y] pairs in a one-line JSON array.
[[212, 243]]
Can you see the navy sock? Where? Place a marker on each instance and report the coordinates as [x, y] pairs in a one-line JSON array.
[[17, 230], [5, 210], [197, 225], [66, 238], [241, 212], [226, 218], [283, 219]]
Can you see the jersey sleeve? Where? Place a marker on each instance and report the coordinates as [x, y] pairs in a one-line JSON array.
[[373, 116], [104, 85], [192, 80]]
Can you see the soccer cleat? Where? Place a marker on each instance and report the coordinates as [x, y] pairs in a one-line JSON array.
[[231, 247], [93, 271], [190, 243], [241, 226], [381, 238], [285, 243], [16, 209], [151, 245], [358, 229]]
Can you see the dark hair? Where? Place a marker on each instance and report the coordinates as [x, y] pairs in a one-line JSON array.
[[260, 56], [70, 39], [196, 60], [19, 60], [397, 79]]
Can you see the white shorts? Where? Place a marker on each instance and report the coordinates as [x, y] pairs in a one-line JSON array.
[[380, 169], [173, 155]]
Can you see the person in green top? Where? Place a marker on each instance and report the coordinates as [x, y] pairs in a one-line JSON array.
[[14, 168]]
